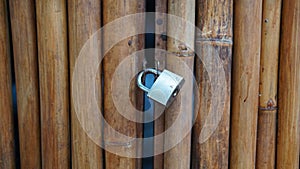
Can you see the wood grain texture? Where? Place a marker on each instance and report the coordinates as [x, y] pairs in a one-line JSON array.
[[288, 137], [23, 26], [7, 142], [54, 82], [215, 21], [160, 62], [113, 9], [267, 114], [245, 83], [84, 21], [160, 25], [180, 60]]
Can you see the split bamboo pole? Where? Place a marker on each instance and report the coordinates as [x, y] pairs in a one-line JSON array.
[[267, 113], [179, 55], [288, 140], [245, 84], [113, 9], [7, 142], [23, 26], [215, 21], [160, 60], [54, 83], [84, 21]]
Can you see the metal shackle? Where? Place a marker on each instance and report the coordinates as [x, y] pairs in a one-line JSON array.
[[144, 72]]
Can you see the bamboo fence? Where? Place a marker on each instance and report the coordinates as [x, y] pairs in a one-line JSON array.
[[7, 140], [54, 83], [26, 74], [267, 113], [288, 136], [245, 83], [160, 63], [83, 21], [218, 35], [113, 9], [179, 156], [257, 43]]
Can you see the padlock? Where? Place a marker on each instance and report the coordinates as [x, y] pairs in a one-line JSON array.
[[165, 88]]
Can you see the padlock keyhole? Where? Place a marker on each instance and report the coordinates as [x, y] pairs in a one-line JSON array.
[[175, 93]]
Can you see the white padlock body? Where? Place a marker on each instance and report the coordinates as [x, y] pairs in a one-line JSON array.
[[164, 87]]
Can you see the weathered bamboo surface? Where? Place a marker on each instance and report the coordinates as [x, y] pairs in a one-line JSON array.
[[84, 21], [180, 60], [54, 83], [258, 50], [113, 9], [160, 62], [7, 142], [161, 28], [267, 113], [245, 86], [215, 21], [23, 27], [288, 137]]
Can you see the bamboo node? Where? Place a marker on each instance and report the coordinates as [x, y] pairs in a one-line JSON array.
[[118, 144], [183, 51], [270, 106]]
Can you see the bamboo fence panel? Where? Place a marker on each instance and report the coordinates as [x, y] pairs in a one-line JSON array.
[[23, 27], [288, 140], [260, 56], [215, 21], [84, 21], [267, 114], [160, 61], [113, 9], [179, 156], [245, 83], [54, 83], [7, 141]]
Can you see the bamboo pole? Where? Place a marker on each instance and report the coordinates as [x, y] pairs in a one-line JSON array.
[[23, 25], [245, 87], [113, 9], [214, 152], [53, 76], [160, 59], [160, 27], [179, 156], [288, 140], [267, 114], [7, 152], [84, 21]]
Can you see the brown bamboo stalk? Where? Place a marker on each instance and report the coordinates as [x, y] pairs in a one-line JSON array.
[[54, 82], [267, 114], [7, 152], [84, 21], [288, 140], [179, 156], [160, 26], [245, 87], [160, 59], [214, 152], [113, 9], [23, 26]]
